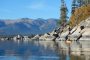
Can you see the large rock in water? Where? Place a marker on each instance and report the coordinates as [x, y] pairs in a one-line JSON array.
[[84, 34], [47, 37], [75, 33]]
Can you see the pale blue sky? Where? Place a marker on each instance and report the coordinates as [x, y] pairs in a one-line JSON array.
[[13, 9]]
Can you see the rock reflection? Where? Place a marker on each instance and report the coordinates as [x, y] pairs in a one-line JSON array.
[[45, 50], [77, 50], [47, 44]]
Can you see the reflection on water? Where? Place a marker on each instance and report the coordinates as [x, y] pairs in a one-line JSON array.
[[77, 50], [20, 50], [43, 50]]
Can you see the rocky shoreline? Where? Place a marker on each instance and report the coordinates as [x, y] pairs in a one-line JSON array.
[[72, 40], [79, 32], [77, 39]]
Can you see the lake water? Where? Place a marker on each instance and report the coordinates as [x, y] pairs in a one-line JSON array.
[[37, 50]]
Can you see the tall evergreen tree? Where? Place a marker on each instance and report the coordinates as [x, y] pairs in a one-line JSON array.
[[83, 2], [80, 3], [86, 2], [74, 6], [63, 13]]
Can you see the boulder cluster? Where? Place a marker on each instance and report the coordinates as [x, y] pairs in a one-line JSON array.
[[79, 32]]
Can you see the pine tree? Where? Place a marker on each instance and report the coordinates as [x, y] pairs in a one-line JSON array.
[[63, 14], [86, 2], [74, 6], [83, 2], [80, 3]]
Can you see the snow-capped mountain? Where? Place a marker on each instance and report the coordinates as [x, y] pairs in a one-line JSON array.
[[26, 26]]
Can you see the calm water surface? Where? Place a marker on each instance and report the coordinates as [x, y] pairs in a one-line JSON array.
[[35, 50]]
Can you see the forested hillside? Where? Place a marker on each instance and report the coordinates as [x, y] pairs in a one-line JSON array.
[[80, 14]]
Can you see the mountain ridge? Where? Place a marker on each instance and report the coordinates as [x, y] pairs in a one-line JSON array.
[[26, 26]]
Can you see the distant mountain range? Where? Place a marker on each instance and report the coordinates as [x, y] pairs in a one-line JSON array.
[[26, 26]]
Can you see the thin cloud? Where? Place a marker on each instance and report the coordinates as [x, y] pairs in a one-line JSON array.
[[39, 5]]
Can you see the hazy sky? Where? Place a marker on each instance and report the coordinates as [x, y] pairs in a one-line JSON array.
[[12, 9]]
